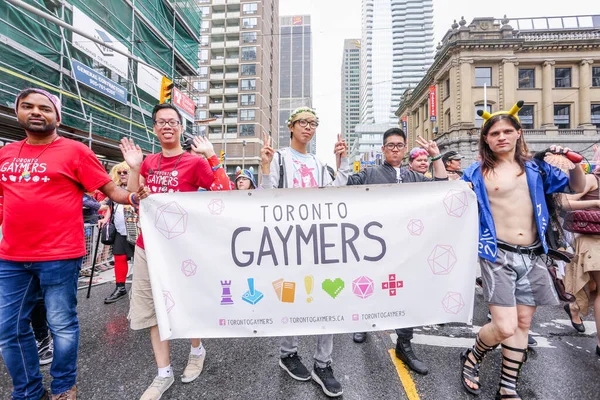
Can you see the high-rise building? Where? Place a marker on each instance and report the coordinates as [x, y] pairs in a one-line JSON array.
[[350, 90], [295, 72], [396, 51], [237, 92]]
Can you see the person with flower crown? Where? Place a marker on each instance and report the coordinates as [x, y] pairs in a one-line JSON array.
[[294, 167], [513, 219]]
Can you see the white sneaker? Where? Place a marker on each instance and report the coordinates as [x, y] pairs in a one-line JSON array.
[[157, 388], [194, 368]]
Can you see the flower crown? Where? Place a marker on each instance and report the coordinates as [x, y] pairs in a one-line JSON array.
[[299, 111]]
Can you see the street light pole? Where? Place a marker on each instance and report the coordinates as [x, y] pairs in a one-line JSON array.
[[243, 154]]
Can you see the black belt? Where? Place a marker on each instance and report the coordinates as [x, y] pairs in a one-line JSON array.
[[536, 251]]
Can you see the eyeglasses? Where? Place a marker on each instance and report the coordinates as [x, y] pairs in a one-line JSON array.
[[122, 172], [172, 123], [392, 146], [303, 123]]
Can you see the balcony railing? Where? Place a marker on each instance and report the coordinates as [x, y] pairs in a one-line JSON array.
[[570, 132]]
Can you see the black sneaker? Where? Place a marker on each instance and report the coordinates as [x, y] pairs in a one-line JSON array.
[[405, 353], [45, 350], [292, 364], [324, 377], [119, 293]]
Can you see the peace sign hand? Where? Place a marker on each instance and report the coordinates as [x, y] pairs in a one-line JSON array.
[[430, 146], [266, 153]]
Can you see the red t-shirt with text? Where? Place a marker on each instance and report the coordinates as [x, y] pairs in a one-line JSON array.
[[43, 190], [191, 173]]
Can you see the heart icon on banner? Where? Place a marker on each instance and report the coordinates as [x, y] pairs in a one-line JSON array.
[[333, 288]]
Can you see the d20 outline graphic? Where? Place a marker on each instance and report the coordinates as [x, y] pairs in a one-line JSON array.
[[456, 203], [216, 206], [442, 259], [188, 267], [169, 301], [252, 296], [363, 287], [392, 284], [415, 227], [333, 287], [453, 302], [171, 220]]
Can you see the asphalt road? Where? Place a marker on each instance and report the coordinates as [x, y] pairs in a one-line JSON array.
[[117, 363]]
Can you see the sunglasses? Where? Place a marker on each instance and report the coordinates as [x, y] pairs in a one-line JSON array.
[[122, 172]]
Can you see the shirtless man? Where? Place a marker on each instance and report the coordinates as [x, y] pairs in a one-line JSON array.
[[513, 217]]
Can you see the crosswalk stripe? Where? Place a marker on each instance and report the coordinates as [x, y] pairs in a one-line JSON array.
[[407, 382], [459, 342]]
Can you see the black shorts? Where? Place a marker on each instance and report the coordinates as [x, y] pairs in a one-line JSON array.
[[122, 246]]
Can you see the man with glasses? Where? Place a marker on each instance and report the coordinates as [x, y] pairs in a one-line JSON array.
[[171, 170], [394, 149]]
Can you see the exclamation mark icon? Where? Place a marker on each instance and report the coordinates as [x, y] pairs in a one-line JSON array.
[[309, 284]]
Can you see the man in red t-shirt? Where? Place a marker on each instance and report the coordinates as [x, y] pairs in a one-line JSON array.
[[42, 180], [171, 170]]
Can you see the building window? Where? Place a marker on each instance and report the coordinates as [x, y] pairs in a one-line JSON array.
[[596, 115], [248, 53], [249, 37], [447, 88], [201, 114], [200, 86], [202, 72], [478, 119], [249, 23], [562, 116], [247, 115], [205, 11], [248, 69], [562, 77], [205, 26], [203, 55], [204, 40], [200, 101], [248, 84], [596, 76], [248, 99], [526, 117], [483, 75], [526, 78], [246, 130], [250, 8]]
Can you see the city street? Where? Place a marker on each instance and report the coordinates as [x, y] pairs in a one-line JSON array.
[[117, 363]]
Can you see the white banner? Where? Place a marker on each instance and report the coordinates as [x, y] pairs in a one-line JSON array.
[[311, 261], [149, 80], [114, 61]]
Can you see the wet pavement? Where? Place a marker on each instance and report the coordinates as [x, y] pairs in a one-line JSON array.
[[117, 363]]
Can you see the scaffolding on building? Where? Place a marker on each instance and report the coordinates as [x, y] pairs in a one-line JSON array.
[[36, 52]]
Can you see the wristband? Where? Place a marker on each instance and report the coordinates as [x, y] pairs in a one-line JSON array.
[[131, 199], [436, 157], [216, 167]]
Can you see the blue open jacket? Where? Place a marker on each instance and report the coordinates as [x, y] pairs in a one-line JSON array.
[[552, 180]]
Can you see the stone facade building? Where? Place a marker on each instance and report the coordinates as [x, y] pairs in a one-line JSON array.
[[552, 64]]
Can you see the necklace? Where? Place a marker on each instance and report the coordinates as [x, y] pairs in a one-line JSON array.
[[26, 174], [174, 172]]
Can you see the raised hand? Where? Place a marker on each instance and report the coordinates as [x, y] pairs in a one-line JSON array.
[[430, 146], [267, 152], [203, 146], [340, 150], [132, 153]]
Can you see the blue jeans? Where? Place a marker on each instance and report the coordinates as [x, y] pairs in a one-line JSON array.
[[20, 283]]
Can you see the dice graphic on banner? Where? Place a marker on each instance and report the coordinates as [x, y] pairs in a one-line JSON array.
[[171, 220], [442, 259]]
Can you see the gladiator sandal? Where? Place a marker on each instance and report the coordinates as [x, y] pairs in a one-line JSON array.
[[510, 375], [470, 370]]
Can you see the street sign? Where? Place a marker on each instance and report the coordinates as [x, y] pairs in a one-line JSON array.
[[90, 78]]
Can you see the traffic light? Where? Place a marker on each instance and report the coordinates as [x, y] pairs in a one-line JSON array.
[[166, 90], [222, 156], [357, 166]]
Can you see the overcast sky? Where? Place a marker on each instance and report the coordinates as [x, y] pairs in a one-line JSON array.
[[336, 20]]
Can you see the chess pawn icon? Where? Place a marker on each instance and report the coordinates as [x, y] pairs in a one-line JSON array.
[[226, 297]]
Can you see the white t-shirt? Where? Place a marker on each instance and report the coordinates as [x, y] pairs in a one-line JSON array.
[[120, 220], [398, 177], [306, 171]]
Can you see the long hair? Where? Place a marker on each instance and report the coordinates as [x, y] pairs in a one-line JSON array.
[[488, 158], [122, 166]]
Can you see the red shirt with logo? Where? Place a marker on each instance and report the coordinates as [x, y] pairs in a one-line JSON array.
[[187, 173], [43, 188]]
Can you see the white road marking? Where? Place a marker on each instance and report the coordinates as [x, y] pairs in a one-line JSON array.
[[590, 326], [446, 341]]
